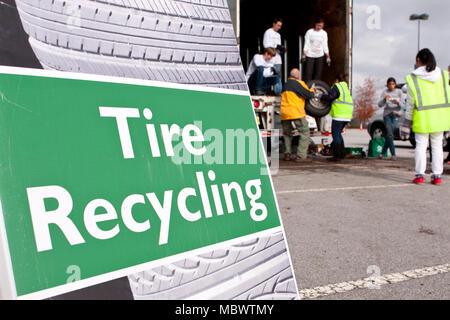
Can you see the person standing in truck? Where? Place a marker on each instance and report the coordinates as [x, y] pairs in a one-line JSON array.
[[272, 39], [293, 115], [428, 114], [392, 102], [315, 51], [341, 113], [261, 75]]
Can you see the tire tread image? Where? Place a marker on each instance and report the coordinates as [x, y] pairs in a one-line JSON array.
[[167, 40], [262, 265]]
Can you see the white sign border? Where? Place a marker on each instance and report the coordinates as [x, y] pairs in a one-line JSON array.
[[113, 79]]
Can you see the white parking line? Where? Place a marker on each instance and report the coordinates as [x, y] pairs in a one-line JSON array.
[[301, 169], [348, 188], [373, 282]]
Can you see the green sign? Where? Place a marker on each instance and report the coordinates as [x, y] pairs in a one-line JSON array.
[[103, 176]]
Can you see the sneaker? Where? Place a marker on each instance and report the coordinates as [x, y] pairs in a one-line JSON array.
[[436, 181], [287, 157], [393, 158], [380, 157], [419, 180]]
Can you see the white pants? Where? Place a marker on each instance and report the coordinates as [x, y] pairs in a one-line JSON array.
[[437, 165]]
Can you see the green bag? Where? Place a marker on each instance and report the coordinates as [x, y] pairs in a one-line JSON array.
[[376, 147], [354, 153]]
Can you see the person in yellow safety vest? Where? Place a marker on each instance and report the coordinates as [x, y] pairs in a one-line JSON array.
[[448, 137], [293, 115], [428, 113], [341, 113]]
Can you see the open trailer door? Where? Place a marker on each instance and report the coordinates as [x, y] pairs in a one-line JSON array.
[[255, 17]]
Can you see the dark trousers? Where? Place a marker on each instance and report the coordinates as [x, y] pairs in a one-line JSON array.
[[338, 146], [257, 82], [314, 68]]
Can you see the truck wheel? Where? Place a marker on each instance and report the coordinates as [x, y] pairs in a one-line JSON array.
[[176, 41], [316, 107]]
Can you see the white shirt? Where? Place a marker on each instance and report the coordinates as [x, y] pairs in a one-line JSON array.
[[276, 59], [258, 61], [316, 43], [272, 39]]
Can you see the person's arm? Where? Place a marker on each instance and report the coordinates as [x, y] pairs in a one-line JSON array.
[[250, 69], [307, 43], [260, 62], [303, 92], [332, 95], [382, 102], [325, 44], [409, 106], [401, 102], [267, 40], [405, 128]]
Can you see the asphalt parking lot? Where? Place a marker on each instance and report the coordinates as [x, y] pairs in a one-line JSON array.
[[363, 218]]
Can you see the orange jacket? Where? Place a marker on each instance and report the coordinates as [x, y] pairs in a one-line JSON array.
[[293, 99]]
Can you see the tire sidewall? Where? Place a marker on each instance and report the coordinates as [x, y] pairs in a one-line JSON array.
[[312, 110]]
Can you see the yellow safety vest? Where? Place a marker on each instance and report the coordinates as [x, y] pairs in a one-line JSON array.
[[342, 107], [431, 100]]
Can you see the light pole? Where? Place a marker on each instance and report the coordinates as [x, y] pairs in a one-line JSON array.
[[418, 17]]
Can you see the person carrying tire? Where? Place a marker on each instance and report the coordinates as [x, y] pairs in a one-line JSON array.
[[293, 115], [428, 113], [341, 113]]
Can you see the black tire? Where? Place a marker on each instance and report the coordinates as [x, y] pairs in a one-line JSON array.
[[377, 126], [316, 107]]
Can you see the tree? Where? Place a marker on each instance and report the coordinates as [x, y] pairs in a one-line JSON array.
[[365, 100]]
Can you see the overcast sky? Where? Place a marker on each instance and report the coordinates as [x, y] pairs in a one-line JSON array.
[[387, 46]]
